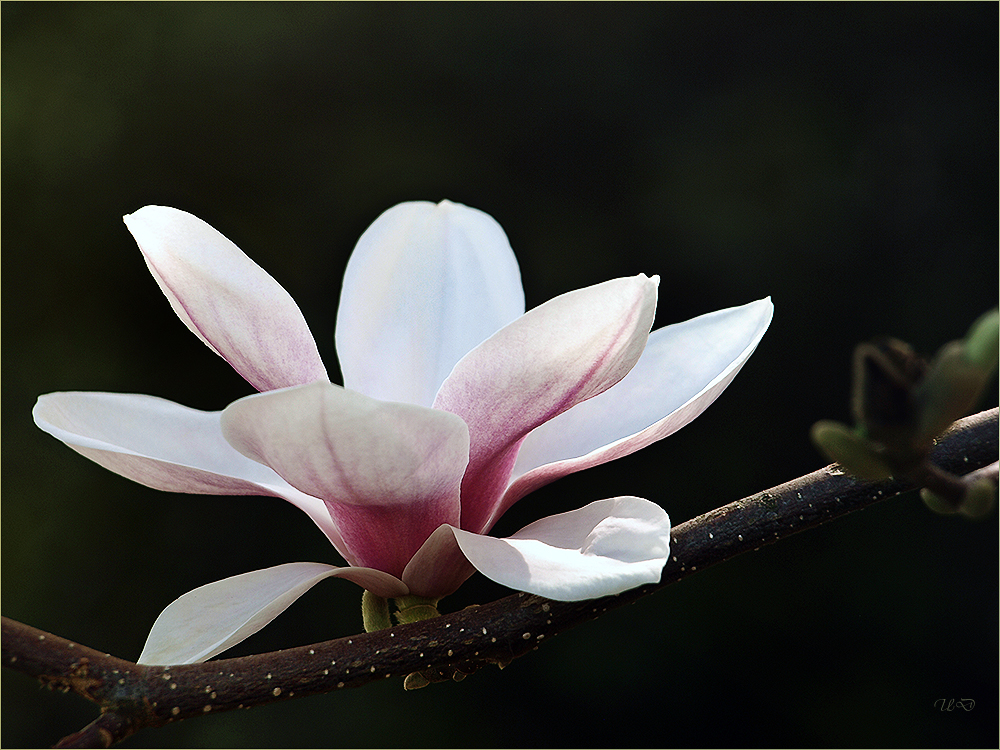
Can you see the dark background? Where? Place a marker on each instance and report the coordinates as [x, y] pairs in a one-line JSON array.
[[841, 158]]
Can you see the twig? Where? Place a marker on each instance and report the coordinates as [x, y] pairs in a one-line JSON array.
[[454, 645]]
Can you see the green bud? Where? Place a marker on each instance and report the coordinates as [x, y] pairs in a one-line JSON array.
[[936, 504], [979, 499], [374, 612], [978, 502], [856, 454], [950, 390], [983, 341], [416, 608]]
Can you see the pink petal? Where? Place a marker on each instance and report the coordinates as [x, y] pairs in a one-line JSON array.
[[552, 358], [226, 299], [212, 618], [425, 284], [439, 567], [166, 446], [604, 548], [389, 473], [684, 368]]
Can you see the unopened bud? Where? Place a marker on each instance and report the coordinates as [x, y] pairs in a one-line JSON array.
[[958, 375], [980, 497], [936, 504], [983, 341], [977, 502], [951, 388], [856, 454], [374, 612], [414, 608]]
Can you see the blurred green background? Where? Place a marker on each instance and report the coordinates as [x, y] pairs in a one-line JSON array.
[[841, 158]]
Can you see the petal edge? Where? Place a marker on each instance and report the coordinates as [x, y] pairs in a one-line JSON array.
[[604, 548], [212, 618], [229, 302]]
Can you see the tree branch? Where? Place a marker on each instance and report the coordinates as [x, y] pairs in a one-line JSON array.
[[454, 645]]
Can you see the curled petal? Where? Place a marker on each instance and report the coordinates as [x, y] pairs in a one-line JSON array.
[[682, 371], [425, 284], [604, 548], [390, 473], [166, 446], [212, 618], [226, 299], [439, 567], [563, 352]]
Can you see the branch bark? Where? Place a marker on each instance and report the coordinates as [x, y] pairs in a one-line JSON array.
[[454, 645]]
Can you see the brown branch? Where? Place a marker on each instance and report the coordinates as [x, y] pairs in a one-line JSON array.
[[454, 645]]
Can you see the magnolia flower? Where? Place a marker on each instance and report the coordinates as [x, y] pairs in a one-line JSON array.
[[455, 405]]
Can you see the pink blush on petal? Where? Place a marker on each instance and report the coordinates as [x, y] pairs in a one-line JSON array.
[[384, 537]]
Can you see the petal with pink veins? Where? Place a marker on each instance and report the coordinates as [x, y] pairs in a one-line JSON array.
[[683, 370], [563, 352], [425, 284], [226, 299], [166, 446], [212, 618], [390, 473], [603, 548]]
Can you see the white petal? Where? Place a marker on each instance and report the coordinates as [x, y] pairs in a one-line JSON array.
[[604, 548], [226, 299], [166, 446], [390, 473], [425, 284], [563, 352], [217, 616], [684, 368]]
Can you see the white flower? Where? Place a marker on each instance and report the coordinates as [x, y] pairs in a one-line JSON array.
[[456, 404]]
